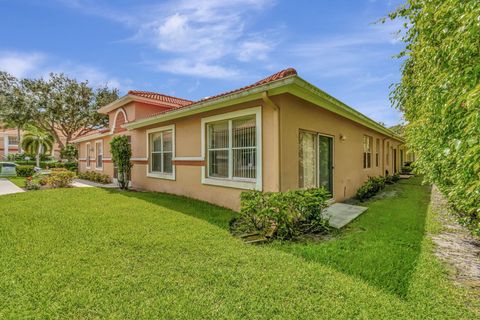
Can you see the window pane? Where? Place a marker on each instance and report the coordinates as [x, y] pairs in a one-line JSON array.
[[156, 165], [167, 140], [218, 135], [325, 164], [308, 160], [243, 131], [156, 144], [218, 163], [167, 162], [245, 163]]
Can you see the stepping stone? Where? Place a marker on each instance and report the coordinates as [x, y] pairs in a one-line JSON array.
[[341, 214]]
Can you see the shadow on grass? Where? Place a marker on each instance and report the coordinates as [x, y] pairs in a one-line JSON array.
[[383, 245], [215, 215]]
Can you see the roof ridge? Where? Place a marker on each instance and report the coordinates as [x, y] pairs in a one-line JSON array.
[[156, 93]]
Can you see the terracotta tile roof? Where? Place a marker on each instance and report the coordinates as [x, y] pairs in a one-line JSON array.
[[160, 97], [274, 77]]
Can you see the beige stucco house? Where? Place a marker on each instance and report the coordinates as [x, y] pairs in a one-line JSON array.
[[278, 134]]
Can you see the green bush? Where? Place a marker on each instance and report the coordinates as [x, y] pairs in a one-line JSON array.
[[72, 166], [290, 213], [25, 170], [372, 186], [31, 184], [60, 178], [95, 177]]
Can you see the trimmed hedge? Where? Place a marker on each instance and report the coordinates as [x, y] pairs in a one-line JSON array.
[[290, 214], [375, 184], [95, 177], [72, 166], [25, 171]]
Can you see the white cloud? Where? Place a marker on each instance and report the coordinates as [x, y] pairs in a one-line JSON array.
[[197, 69], [40, 65], [20, 64], [206, 33]]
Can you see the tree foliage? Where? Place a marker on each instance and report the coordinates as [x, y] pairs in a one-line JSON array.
[[439, 94], [62, 106], [37, 142], [121, 154]]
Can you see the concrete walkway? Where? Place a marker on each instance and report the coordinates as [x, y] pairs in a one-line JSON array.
[[7, 187], [341, 214], [80, 183]]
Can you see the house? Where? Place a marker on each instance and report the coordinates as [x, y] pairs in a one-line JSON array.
[[278, 134], [9, 143]]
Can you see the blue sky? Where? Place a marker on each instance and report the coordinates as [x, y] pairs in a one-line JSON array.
[[198, 48]]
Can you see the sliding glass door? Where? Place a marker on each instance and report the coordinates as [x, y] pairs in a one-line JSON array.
[[325, 162], [316, 161]]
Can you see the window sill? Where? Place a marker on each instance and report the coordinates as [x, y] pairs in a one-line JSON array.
[[161, 176], [99, 169], [247, 185]]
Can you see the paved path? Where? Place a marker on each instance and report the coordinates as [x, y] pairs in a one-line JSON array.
[[7, 187], [80, 183], [341, 214]]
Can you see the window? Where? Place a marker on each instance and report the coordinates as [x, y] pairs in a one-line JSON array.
[[232, 148], [161, 152], [88, 154], [388, 153], [367, 152], [99, 154], [12, 141], [377, 153], [315, 161]]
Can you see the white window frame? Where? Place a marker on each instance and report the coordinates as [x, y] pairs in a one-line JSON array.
[[365, 163], [98, 142], [158, 175], [88, 164], [239, 183]]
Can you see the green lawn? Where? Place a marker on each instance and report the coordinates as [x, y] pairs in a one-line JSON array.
[[18, 181], [97, 253]]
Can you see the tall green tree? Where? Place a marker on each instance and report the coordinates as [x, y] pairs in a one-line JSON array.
[[121, 153], [37, 141], [439, 94], [15, 107], [67, 108]]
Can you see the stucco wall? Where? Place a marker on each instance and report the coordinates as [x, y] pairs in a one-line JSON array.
[[348, 172]]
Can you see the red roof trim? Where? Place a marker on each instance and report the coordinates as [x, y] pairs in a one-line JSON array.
[[160, 97]]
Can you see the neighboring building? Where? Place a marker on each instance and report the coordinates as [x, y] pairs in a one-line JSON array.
[[278, 134], [9, 143]]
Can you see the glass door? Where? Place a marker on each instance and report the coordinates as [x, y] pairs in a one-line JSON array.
[[325, 163]]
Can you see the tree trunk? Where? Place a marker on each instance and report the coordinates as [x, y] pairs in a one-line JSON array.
[[37, 158], [19, 139]]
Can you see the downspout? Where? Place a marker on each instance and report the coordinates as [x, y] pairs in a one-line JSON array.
[[277, 138]]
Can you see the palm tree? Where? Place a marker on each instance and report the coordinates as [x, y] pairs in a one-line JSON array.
[[37, 141]]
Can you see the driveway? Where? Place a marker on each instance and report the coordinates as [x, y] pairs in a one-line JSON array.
[[7, 187]]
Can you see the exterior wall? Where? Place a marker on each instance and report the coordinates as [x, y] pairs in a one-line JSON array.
[[280, 152], [188, 174], [348, 172]]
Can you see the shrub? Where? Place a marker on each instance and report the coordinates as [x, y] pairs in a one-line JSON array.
[[25, 170], [30, 184], [396, 177], [60, 178], [95, 177], [121, 154], [72, 166], [371, 187], [290, 213]]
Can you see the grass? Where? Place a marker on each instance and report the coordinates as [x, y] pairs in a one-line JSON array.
[[97, 253], [18, 181]]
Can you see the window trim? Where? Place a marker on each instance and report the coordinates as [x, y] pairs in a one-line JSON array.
[[98, 142], [239, 183], [377, 152], [88, 164], [158, 175]]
